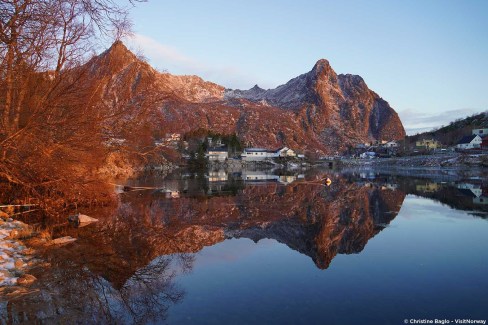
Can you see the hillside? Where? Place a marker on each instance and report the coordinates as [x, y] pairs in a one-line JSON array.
[[449, 135]]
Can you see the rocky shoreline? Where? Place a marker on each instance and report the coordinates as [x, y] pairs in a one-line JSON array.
[[16, 259], [449, 160]]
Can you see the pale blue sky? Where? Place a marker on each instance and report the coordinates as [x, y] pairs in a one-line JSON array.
[[428, 59]]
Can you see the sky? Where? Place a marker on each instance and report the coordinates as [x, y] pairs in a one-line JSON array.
[[428, 59]]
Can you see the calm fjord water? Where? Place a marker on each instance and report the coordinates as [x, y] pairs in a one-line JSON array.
[[259, 248]]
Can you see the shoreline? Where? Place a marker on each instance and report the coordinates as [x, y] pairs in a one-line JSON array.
[[448, 160], [16, 258]]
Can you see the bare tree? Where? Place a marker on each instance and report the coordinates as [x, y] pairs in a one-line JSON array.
[[50, 120]]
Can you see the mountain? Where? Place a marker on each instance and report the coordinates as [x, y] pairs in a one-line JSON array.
[[318, 111]]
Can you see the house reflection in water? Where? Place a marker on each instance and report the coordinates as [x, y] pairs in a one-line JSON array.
[[477, 192], [248, 176], [261, 176], [218, 176], [427, 187]]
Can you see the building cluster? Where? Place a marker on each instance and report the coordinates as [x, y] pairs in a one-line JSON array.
[[378, 143], [476, 192], [251, 154], [169, 140], [376, 148], [217, 151], [478, 139]]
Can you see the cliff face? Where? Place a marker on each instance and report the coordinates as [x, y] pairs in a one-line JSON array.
[[318, 111]]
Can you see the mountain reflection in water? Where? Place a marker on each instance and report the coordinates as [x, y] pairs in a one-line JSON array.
[[123, 268]]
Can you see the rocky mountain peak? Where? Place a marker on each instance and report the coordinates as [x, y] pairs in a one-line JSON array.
[[321, 65], [118, 51], [322, 71], [116, 59]]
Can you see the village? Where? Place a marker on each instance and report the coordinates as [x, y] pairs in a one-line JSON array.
[[475, 143], [215, 150]]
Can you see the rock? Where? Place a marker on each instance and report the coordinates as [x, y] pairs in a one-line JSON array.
[[84, 218], [28, 251], [31, 263], [4, 215], [18, 264], [9, 245], [63, 240], [13, 234], [26, 279], [81, 218], [5, 274]]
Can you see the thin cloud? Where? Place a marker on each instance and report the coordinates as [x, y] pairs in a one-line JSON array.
[[415, 121], [168, 58]]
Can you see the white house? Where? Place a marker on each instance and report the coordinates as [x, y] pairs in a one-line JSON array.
[[251, 154], [285, 152], [391, 144], [470, 189], [481, 132], [217, 154], [368, 154], [469, 142]]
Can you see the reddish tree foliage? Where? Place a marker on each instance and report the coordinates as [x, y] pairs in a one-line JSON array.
[[51, 124]]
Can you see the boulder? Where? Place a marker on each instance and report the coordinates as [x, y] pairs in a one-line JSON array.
[[81, 219], [4, 215], [84, 218], [26, 279], [18, 264], [14, 234], [63, 240]]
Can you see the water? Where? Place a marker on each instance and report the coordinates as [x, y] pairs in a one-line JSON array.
[[222, 248]]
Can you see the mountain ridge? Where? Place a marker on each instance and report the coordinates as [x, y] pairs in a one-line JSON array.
[[318, 111]]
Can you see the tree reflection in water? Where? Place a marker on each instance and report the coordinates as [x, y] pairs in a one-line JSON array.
[[67, 292], [111, 274]]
